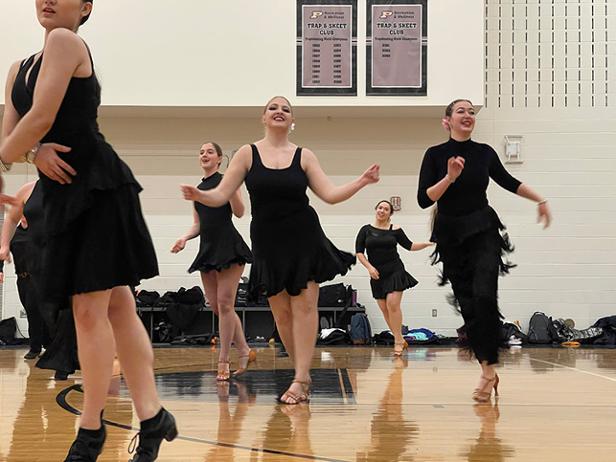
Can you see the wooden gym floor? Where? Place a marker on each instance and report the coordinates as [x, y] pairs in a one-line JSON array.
[[556, 404]]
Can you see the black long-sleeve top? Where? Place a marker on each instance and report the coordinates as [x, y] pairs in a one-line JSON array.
[[381, 244], [468, 193]]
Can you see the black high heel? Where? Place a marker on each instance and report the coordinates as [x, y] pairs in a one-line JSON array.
[[151, 435]]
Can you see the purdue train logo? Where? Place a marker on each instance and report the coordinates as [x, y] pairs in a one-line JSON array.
[[316, 14], [386, 14]]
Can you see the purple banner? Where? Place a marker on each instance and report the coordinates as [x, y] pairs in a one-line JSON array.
[[327, 46], [397, 46]]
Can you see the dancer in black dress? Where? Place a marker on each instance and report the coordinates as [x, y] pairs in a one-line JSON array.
[[388, 278], [16, 239], [97, 242], [292, 255], [27, 210], [468, 232], [221, 259]]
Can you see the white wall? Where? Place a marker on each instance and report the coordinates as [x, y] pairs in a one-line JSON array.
[[234, 52]]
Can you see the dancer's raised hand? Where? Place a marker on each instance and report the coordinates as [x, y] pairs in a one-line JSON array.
[[372, 175], [455, 165], [190, 192]]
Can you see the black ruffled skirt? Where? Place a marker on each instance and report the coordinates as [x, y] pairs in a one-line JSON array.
[[220, 250], [473, 249], [290, 252], [392, 278], [106, 246]]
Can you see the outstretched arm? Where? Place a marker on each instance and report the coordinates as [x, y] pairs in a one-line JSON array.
[[231, 181], [544, 214], [323, 187], [420, 245], [505, 180]]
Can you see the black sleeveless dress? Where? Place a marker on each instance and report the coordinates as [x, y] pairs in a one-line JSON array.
[[221, 245], [381, 245], [288, 243], [96, 237]]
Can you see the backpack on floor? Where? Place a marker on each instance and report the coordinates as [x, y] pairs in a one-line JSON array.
[[541, 330], [8, 330], [361, 333]]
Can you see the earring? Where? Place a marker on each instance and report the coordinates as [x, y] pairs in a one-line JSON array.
[[292, 128]]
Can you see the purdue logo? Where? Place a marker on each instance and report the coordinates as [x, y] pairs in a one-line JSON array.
[[386, 14], [316, 14]]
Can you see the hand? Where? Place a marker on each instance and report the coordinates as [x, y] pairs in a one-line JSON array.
[[372, 174], [23, 222], [179, 245], [5, 254], [50, 164], [455, 165], [374, 274], [190, 193], [5, 199], [544, 215]]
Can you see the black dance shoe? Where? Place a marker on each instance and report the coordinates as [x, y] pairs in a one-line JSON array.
[[32, 354], [61, 375], [153, 431], [87, 446]]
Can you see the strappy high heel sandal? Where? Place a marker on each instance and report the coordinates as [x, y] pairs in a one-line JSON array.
[[402, 346], [245, 360], [223, 374], [482, 395], [297, 398]]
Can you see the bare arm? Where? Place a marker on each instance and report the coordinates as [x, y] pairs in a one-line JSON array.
[[12, 218], [64, 53], [544, 214], [237, 204], [192, 232], [421, 245], [10, 117], [323, 187], [231, 181]]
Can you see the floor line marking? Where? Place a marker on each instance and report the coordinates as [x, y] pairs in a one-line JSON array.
[[581, 371], [63, 403]]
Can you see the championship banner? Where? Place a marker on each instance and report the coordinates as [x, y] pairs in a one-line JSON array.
[[326, 47], [397, 47]]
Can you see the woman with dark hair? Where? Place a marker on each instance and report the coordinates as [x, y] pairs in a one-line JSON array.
[[21, 241], [469, 234], [23, 235], [97, 242], [220, 260], [388, 278], [292, 255]]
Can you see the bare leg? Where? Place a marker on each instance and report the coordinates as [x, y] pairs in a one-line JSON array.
[[383, 306], [305, 320], [95, 349], [134, 351], [395, 315], [230, 324], [281, 309]]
